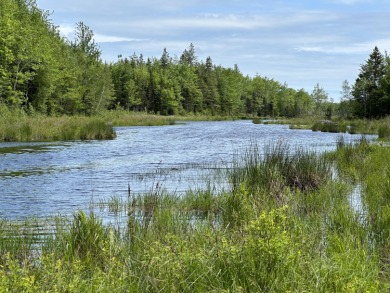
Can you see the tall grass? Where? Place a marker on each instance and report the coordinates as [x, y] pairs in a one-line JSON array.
[[18, 126], [125, 118], [384, 131], [330, 126], [285, 226], [280, 167]]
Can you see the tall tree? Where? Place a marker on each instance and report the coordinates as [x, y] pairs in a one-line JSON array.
[[95, 86], [345, 105], [304, 104], [24, 50], [189, 57], [320, 98], [367, 90], [165, 60], [208, 84]]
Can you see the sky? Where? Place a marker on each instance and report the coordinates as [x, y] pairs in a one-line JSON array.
[[300, 43]]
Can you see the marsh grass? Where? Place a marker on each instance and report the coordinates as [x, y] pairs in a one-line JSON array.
[[125, 118], [241, 240], [280, 167], [351, 126], [384, 131], [18, 126], [330, 126]]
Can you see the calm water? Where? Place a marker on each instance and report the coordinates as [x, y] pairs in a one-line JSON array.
[[42, 179]]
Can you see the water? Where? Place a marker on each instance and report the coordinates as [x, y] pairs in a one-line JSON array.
[[356, 203], [43, 179]]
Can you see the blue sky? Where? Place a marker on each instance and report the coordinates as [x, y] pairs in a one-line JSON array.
[[300, 42]]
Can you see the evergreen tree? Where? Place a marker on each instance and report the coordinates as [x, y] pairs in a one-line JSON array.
[[188, 57], [165, 60], [208, 85], [368, 90]]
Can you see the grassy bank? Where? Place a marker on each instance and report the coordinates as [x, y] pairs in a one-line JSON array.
[[285, 225], [16, 125], [24, 128], [381, 127]]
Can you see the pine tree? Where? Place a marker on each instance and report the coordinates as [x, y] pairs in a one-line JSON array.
[[367, 90]]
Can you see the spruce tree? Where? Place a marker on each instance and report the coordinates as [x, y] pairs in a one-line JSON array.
[[367, 90]]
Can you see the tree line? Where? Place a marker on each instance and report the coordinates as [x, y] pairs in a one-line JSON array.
[[169, 85], [42, 71]]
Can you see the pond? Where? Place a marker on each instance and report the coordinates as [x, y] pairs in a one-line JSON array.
[[45, 179]]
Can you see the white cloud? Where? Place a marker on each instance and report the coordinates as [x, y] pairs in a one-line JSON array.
[[356, 48], [113, 39], [67, 31], [233, 21]]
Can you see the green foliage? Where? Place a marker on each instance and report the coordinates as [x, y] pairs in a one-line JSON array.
[[370, 91], [40, 69], [320, 98]]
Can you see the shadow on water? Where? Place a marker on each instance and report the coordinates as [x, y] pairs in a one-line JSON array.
[[26, 148]]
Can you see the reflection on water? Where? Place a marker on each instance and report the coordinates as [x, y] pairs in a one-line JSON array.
[[41, 179], [356, 203]]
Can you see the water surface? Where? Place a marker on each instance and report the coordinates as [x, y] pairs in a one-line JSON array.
[[43, 179]]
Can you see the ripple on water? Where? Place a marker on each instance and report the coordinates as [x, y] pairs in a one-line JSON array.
[[61, 177]]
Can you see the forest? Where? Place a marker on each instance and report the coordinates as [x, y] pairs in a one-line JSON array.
[[41, 71]]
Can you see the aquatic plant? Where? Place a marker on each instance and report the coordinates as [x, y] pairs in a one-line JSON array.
[[384, 131]]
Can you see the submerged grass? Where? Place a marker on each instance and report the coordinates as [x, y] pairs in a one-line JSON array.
[[286, 225]]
